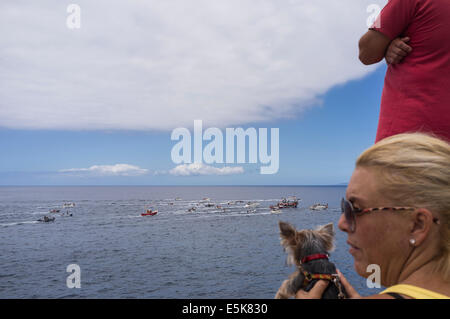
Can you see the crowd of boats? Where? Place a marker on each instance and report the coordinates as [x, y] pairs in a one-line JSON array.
[[54, 211], [249, 206], [205, 203]]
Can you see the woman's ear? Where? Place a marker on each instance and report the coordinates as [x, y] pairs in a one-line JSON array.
[[422, 220]]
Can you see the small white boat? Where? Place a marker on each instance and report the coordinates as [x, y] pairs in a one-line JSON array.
[[68, 205], [319, 207], [275, 210], [250, 204]]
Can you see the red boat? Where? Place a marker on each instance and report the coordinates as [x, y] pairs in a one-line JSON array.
[[287, 203], [149, 212]]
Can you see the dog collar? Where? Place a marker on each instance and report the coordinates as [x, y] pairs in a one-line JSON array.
[[314, 257]]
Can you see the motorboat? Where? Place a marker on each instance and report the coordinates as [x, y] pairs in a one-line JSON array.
[[150, 212], [46, 219], [68, 205], [275, 210], [54, 211], [319, 206], [250, 204], [290, 202]]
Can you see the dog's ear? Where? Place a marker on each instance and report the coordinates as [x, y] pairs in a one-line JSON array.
[[327, 235], [287, 231], [327, 229]]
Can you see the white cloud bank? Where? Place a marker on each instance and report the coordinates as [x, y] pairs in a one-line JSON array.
[[109, 170], [157, 64], [203, 169]]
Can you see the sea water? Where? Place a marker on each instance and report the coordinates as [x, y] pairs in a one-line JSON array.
[[207, 253]]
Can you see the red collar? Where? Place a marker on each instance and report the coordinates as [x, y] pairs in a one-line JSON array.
[[314, 257]]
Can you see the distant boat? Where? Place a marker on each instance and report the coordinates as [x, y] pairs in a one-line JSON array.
[[275, 210], [319, 207], [54, 211], [250, 204], [150, 212], [46, 219], [68, 205], [290, 202]]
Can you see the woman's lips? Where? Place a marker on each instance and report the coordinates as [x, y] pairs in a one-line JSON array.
[[353, 249]]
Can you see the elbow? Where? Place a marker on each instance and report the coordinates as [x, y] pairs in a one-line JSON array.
[[364, 59], [367, 58]]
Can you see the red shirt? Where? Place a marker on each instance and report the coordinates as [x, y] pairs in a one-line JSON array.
[[416, 93]]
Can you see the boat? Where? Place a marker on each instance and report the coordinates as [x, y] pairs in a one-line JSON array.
[[54, 211], [275, 210], [150, 212], [46, 219], [68, 205], [319, 207], [290, 202], [192, 209], [251, 211], [250, 204]]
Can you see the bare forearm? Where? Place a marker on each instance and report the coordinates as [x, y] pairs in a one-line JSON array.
[[372, 47]]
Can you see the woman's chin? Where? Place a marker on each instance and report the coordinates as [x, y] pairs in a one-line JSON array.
[[361, 268]]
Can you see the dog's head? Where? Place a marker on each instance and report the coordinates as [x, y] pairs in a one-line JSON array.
[[300, 243]]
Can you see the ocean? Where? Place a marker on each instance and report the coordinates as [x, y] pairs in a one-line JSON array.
[[206, 253]]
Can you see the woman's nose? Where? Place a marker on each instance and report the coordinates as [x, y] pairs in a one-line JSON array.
[[343, 224]]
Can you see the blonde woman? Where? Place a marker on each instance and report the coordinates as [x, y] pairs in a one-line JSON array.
[[396, 215]]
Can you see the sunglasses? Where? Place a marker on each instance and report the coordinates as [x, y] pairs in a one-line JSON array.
[[350, 212]]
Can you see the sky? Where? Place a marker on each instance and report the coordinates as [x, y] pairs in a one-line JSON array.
[[97, 105]]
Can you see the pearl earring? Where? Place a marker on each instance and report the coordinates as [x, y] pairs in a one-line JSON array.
[[412, 241]]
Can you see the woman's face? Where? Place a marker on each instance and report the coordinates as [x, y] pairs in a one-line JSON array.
[[380, 237]]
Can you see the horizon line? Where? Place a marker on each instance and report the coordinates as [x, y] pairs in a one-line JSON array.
[[206, 185]]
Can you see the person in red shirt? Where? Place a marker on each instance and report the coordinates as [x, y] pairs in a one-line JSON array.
[[414, 38]]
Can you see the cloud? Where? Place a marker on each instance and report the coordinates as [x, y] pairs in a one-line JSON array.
[[158, 65], [203, 169], [109, 170]]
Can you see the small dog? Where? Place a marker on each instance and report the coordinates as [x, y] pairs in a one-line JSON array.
[[308, 250]]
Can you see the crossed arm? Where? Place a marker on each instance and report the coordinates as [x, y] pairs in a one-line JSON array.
[[374, 46]]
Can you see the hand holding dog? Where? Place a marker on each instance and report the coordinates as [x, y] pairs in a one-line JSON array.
[[315, 293], [351, 292]]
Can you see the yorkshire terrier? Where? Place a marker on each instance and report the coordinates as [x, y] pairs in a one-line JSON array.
[[308, 250]]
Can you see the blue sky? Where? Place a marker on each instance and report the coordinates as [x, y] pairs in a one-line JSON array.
[[317, 148], [74, 104]]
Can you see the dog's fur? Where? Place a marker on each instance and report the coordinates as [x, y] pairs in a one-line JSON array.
[[300, 244]]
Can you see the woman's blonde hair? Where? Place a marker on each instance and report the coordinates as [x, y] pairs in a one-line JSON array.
[[414, 170]]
